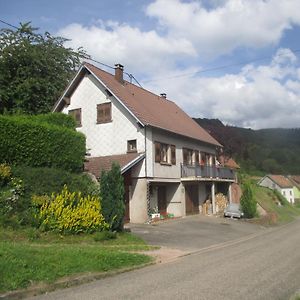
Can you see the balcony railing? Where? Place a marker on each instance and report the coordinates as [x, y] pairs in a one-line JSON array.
[[207, 172]]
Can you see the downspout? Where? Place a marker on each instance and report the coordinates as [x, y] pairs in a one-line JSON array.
[[147, 181]]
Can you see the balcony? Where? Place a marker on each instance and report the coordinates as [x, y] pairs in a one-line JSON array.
[[207, 172]]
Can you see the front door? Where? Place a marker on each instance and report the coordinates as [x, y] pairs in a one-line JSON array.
[[191, 199], [161, 199]]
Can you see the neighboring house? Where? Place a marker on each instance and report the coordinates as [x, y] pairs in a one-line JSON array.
[[168, 161], [295, 180], [281, 184]]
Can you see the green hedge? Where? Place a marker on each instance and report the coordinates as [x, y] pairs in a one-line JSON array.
[[36, 142], [45, 181]]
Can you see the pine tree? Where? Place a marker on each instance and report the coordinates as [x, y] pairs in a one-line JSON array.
[[248, 203], [112, 197]]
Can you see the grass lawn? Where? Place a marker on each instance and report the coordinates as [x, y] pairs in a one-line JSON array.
[[28, 257], [265, 197]]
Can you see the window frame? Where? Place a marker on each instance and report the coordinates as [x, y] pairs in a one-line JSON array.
[[129, 143], [165, 154]]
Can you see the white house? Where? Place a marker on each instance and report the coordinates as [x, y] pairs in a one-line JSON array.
[[280, 183], [168, 161]]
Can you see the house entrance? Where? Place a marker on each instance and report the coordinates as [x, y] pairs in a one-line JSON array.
[[161, 199], [191, 199]]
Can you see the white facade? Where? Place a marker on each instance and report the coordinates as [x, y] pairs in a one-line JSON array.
[[107, 138], [288, 193]]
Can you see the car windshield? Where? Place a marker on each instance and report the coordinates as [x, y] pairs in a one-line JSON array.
[[233, 207]]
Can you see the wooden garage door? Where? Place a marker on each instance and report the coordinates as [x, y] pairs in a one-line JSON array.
[[191, 199], [161, 199]]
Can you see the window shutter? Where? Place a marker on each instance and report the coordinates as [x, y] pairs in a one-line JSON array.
[[157, 152], [104, 113], [184, 154], [173, 155], [197, 157]]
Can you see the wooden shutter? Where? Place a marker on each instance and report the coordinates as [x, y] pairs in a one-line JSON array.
[[104, 113], [197, 157], [184, 154], [76, 114], [173, 155], [157, 152]]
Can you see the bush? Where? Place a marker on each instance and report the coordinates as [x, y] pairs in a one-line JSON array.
[[45, 181], [248, 203], [282, 200], [29, 141], [26, 182], [71, 213], [112, 196]]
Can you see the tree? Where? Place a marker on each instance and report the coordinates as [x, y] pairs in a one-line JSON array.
[[34, 69], [112, 197], [248, 203]]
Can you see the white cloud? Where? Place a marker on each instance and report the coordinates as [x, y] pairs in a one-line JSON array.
[[231, 24], [257, 97], [113, 42]]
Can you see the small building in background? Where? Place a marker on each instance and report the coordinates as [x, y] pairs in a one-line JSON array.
[[280, 183]]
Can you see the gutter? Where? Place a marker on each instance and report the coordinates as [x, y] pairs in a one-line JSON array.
[[132, 163]]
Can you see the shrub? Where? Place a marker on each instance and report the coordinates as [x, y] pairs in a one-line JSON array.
[[112, 195], [45, 181], [25, 140], [282, 200], [248, 203], [71, 213]]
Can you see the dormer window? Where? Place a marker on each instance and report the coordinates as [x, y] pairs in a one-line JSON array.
[[104, 113], [131, 146], [76, 114]]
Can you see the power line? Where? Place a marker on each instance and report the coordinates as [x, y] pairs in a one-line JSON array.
[[9, 24], [216, 68]]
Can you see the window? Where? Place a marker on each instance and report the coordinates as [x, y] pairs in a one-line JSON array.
[[131, 146], [165, 154], [283, 193], [291, 193], [76, 114], [104, 113], [187, 156]]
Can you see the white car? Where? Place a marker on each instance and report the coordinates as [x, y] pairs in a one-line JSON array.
[[233, 210]]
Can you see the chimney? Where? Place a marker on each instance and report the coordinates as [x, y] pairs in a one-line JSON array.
[[163, 95], [119, 73]]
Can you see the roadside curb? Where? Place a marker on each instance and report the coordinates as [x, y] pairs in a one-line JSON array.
[[68, 282]]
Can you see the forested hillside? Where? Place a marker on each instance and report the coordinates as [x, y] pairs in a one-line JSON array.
[[258, 151]]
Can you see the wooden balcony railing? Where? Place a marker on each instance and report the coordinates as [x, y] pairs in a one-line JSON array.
[[207, 172]]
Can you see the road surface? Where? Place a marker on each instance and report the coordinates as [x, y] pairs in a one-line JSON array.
[[265, 265]]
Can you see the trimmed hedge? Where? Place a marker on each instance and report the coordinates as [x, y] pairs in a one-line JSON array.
[[36, 142]]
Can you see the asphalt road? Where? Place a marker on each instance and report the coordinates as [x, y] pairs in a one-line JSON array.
[[264, 265]]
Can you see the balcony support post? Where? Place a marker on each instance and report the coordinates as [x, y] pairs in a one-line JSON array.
[[213, 198], [229, 193]]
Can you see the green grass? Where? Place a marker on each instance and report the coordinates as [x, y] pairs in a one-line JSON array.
[[266, 198], [29, 257]]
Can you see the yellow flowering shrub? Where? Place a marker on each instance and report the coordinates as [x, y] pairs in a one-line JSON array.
[[5, 174], [71, 213]]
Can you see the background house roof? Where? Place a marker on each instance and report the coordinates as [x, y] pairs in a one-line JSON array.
[[152, 109], [280, 180]]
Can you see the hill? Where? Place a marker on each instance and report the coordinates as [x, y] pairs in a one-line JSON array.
[[261, 151]]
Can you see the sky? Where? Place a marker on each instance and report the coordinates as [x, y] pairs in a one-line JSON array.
[[235, 60]]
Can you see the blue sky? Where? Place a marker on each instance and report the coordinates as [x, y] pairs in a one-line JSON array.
[[165, 43]]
